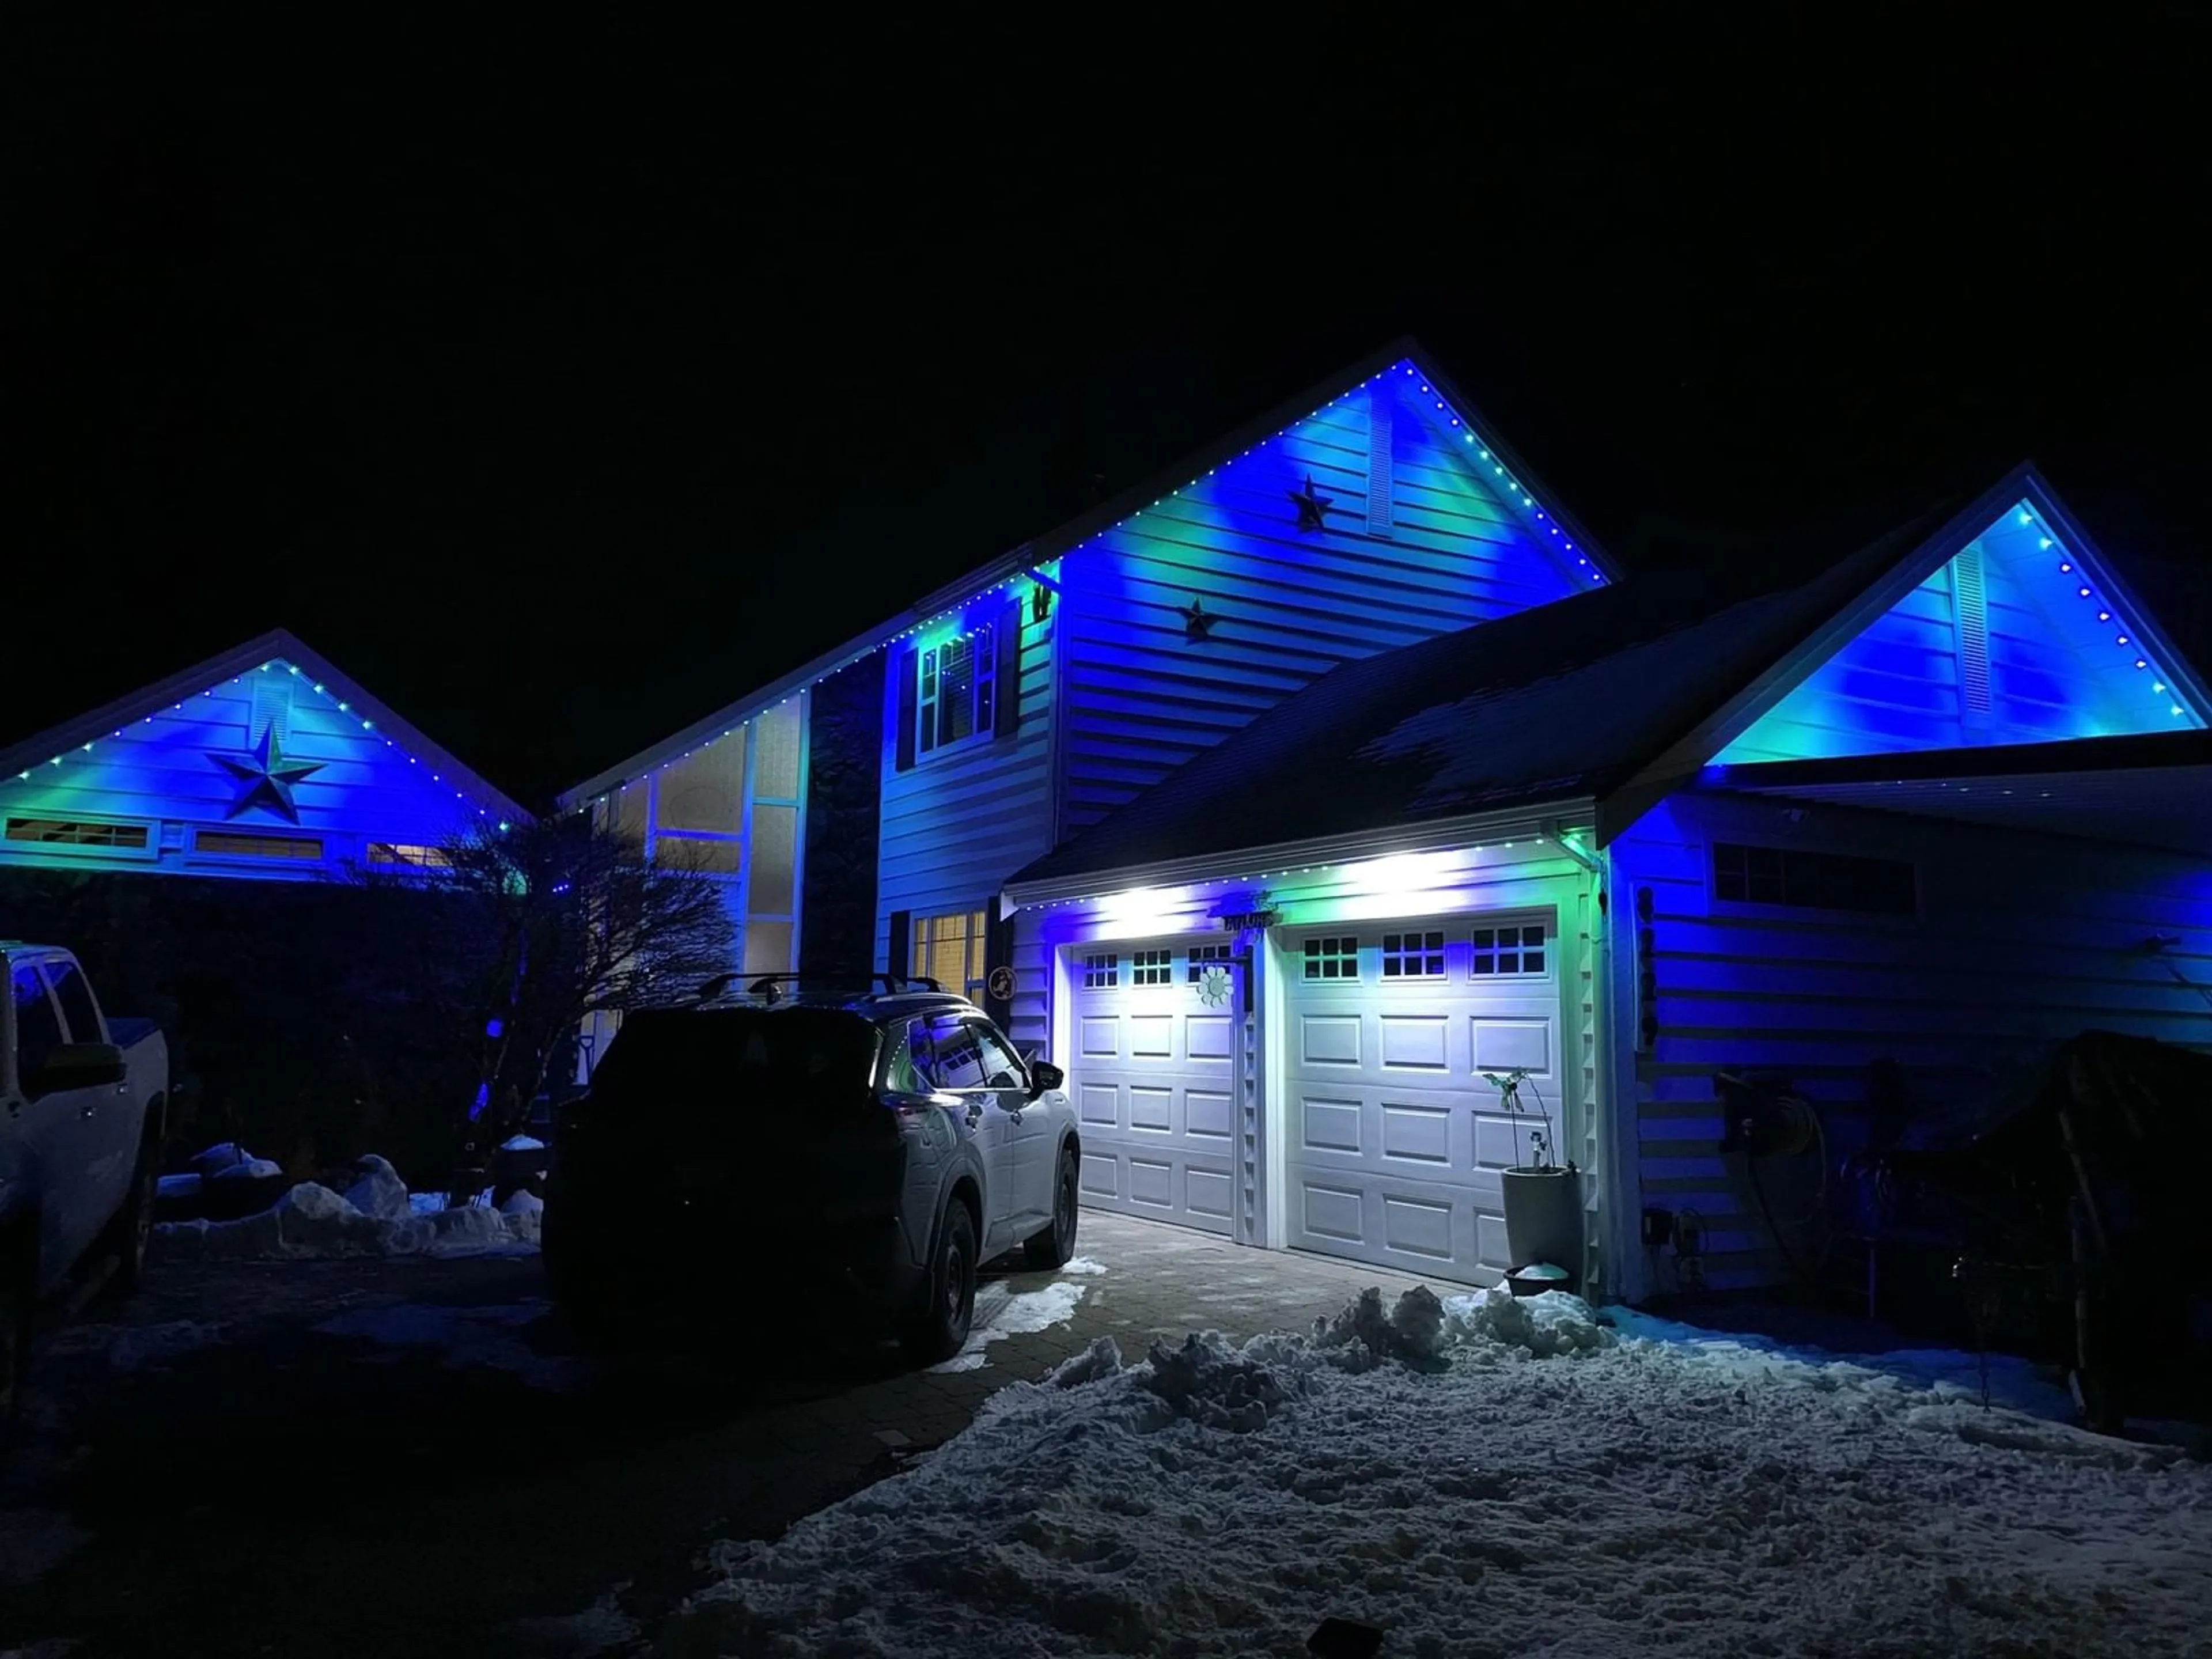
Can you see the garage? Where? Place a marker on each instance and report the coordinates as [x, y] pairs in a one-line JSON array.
[[1393, 1141], [1154, 1024]]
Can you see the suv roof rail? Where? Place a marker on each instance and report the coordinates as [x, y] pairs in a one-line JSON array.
[[771, 987]]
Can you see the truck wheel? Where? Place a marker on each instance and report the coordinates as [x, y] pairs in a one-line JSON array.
[[938, 1331], [1054, 1245], [133, 1226]]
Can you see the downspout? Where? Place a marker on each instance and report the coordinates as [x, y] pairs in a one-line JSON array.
[[1616, 1177]]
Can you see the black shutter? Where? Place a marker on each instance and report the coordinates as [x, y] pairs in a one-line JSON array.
[[1008, 684], [907, 665], [998, 953], [901, 949]]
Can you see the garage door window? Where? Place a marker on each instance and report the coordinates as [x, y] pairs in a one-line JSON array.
[[1152, 968], [1333, 959], [1203, 956], [1414, 956], [1505, 952], [1101, 969]]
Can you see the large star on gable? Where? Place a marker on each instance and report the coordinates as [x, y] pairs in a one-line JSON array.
[[1313, 507], [266, 776]]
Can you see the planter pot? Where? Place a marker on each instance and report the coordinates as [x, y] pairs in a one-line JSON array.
[[1544, 1217]]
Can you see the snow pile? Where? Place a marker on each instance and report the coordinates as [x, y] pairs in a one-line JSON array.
[[470, 1336], [522, 1144], [311, 1221], [1475, 1476], [1001, 1313], [380, 1191], [523, 1212], [251, 1168]]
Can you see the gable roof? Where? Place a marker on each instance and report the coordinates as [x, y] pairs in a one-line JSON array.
[[1020, 562], [1613, 698], [54, 745]]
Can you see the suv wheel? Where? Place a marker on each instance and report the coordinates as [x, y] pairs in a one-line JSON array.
[[1052, 1247], [941, 1327]]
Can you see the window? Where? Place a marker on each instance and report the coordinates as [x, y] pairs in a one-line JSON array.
[[1414, 956], [1203, 956], [1152, 968], [1814, 881], [1506, 951], [958, 691], [949, 949], [403, 855], [38, 1027], [1333, 959], [232, 844], [1101, 970], [72, 832], [74, 994], [946, 1052], [1002, 1067]]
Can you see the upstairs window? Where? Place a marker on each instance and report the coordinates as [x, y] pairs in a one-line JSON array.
[[1807, 880], [958, 694], [239, 844], [78, 832]]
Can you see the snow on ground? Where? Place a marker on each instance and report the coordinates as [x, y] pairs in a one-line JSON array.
[[1001, 1313], [602, 1628], [313, 1221], [135, 1347], [466, 1336], [34, 1542], [1487, 1476]]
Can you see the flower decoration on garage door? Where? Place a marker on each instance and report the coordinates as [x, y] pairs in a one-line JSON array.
[[1214, 986]]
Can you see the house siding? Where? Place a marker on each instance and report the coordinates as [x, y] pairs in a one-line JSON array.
[[2020, 942], [1418, 543], [957, 823]]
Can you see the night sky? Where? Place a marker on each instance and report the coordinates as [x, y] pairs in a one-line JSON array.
[[563, 389]]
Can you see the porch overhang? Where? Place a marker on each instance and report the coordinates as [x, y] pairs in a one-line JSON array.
[[2144, 791], [1276, 860]]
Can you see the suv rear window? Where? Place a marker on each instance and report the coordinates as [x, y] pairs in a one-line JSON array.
[[702, 1055]]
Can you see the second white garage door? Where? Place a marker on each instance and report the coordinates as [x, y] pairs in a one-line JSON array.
[[1153, 1078], [1394, 1142]]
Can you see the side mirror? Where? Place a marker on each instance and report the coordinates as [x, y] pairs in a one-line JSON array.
[[78, 1066], [1044, 1075]]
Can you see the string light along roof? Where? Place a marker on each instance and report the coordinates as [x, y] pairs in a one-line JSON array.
[[1035, 561], [271, 653]]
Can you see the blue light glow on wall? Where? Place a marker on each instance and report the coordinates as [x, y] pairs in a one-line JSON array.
[[2016, 639]]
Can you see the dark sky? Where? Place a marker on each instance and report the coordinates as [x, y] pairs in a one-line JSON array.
[[562, 388]]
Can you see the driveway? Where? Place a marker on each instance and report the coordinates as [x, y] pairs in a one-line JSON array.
[[396, 1457]]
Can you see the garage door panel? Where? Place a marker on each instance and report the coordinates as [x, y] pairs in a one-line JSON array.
[[1165, 1061], [1101, 1175], [1394, 1143]]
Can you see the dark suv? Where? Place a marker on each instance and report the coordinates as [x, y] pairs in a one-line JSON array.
[[895, 1134]]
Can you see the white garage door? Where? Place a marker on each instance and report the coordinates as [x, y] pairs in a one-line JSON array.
[[1394, 1140], [1153, 1078]]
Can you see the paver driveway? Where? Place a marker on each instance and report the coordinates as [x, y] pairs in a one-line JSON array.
[[396, 1457]]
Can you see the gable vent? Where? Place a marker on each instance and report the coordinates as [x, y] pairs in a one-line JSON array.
[[272, 706], [1378, 462], [1970, 616]]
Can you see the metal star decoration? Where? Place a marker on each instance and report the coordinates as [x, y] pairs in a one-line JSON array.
[[1197, 624], [267, 777], [1314, 507]]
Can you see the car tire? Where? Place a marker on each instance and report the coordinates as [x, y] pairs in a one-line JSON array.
[[940, 1329], [1054, 1245], [132, 1230]]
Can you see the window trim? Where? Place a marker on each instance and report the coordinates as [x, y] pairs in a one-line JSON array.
[[1492, 924], [1413, 947], [983, 655], [1315, 954], [922, 942]]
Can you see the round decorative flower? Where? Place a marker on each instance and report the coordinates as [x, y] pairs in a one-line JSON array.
[[1214, 986]]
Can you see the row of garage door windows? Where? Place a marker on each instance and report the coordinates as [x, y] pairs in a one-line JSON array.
[[1492, 953]]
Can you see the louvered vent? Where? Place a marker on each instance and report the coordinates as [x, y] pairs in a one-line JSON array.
[[272, 706], [1970, 615], [1378, 462]]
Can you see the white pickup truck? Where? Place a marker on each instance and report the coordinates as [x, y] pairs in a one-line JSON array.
[[82, 1099]]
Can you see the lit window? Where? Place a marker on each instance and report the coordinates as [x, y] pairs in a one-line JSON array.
[[1203, 956], [1152, 968], [958, 691], [1503, 951], [1814, 881], [232, 844], [949, 949], [404, 854], [1101, 970], [75, 832], [1333, 959], [1414, 956]]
